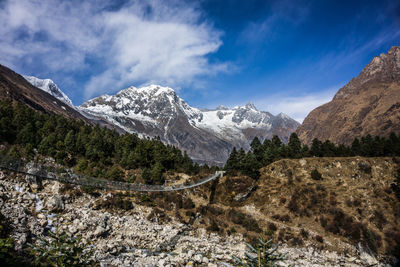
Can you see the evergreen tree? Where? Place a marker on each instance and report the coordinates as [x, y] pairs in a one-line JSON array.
[[157, 173], [316, 148], [146, 175], [233, 161], [294, 146], [70, 141], [240, 157], [250, 165], [276, 141], [115, 173], [328, 149], [356, 147], [257, 149]]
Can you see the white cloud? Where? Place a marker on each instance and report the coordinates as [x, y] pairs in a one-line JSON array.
[[165, 42], [297, 107]]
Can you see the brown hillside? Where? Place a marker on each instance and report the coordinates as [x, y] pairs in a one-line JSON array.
[[352, 203], [368, 104]]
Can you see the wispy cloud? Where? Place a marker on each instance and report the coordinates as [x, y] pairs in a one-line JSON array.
[[297, 107], [282, 12], [137, 42]]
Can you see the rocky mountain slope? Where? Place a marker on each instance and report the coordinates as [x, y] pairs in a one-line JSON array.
[[206, 135], [16, 88], [368, 104], [208, 225], [50, 87]]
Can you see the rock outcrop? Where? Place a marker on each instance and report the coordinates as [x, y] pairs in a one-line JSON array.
[[368, 104]]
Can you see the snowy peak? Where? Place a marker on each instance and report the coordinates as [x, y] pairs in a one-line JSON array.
[[250, 106], [50, 87], [149, 91], [153, 104], [283, 116], [155, 110]]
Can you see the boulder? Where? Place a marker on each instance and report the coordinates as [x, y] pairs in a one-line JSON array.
[[55, 204]]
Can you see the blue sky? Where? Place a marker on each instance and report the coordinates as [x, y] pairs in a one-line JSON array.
[[284, 56]]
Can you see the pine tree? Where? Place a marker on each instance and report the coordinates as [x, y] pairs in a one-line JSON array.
[[276, 141], [157, 173], [316, 148], [294, 146], [328, 149], [256, 148], [233, 161], [146, 175], [356, 147], [250, 165], [70, 141]]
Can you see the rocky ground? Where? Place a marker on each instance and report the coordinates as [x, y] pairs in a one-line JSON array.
[[128, 238]]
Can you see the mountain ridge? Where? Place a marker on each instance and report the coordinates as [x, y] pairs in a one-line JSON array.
[[50, 87], [368, 104], [16, 88], [158, 111]]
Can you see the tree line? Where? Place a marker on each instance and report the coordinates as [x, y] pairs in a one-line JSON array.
[[91, 150], [262, 154]]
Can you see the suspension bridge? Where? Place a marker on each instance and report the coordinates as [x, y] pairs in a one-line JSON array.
[[67, 176]]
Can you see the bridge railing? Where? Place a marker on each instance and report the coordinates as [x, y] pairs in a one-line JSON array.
[[62, 175]]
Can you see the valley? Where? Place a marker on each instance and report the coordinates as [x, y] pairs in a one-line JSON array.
[[138, 177]]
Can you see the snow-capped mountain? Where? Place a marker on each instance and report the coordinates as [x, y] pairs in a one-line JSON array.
[[206, 135], [50, 87]]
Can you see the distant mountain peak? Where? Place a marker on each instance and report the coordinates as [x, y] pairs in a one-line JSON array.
[[283, 116], [156, 110], [50, 87], [152, 89], [250, 105]]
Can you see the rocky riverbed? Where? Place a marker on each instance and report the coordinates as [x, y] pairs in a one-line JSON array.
[[128, 238]]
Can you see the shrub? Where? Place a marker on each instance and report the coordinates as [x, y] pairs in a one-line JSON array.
[[364, 167], [357, 202], [372, 239], [315, 175], [296, 241], [392, 238], [91, 191], [115, 173], [283, 218], [319, 238], [146, 175], [244, 220], [114, 202], [304, 233], [332, 201], [213, 227], [61, 250], [188, 203], [379, 218], [272, 227], [131, 178], [292, 205], [264, 254], [323, 221]]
